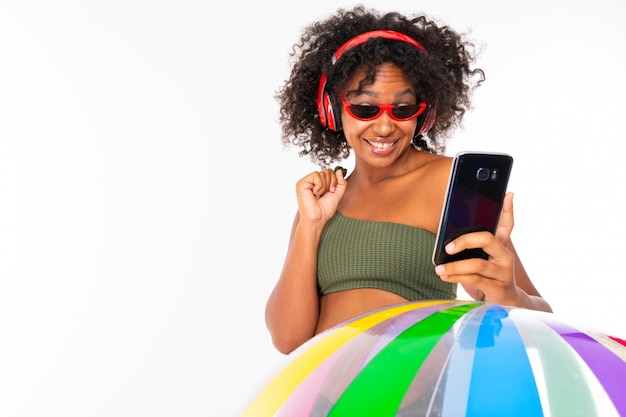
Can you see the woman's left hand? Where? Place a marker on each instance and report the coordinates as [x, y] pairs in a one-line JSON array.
[[493, 279]]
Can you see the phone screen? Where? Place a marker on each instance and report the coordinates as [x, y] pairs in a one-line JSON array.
[[473, 202]]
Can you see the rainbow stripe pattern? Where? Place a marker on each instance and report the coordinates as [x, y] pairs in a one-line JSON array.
[[450, 358]]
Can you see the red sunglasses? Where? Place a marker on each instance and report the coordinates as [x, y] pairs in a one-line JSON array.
[[366, 112]]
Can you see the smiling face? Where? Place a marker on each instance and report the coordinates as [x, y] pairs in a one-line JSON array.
[[381, 141]]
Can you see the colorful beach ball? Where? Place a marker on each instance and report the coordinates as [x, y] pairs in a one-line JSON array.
[[450, 358]]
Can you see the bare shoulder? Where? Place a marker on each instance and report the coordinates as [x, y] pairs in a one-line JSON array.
[[436, 161], [436, 168], [428, 191]]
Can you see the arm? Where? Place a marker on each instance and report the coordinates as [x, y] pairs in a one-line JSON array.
[[292, 309], [527, 294], [501, 279]]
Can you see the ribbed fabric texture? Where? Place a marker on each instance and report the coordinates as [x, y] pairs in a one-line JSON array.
[[389, 256]]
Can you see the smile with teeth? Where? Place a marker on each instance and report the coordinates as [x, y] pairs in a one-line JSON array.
[[381, 145]]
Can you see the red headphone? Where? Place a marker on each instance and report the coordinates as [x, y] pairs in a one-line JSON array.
[[324, 105]]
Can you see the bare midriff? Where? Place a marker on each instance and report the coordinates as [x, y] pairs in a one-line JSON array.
[[339, 306]]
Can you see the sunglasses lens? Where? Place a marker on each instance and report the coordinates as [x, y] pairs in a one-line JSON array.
[[364, 112], [405, 112]]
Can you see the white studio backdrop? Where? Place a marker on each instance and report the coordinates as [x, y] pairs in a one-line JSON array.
[[146, 199]]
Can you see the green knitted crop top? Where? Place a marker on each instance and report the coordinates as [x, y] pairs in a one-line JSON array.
[[388, 256]]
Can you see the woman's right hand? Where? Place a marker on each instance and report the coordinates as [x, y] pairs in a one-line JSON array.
[[319, 194]]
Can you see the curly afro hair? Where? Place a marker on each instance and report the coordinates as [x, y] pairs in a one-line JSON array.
[[442, 75]]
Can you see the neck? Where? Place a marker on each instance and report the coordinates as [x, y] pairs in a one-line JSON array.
[[367, 176]]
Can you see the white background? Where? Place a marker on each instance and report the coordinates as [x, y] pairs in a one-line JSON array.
[[146, 199]]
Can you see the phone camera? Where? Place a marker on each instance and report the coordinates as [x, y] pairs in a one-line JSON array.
[[483, 174]]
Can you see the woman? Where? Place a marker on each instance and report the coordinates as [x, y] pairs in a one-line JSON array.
[[389, 89]]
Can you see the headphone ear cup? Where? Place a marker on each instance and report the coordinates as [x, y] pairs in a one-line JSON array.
[[428, 122], [325, 107], [321, 98], [333, 122]]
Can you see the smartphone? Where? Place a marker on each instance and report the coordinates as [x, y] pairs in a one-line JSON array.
[[476, 189]]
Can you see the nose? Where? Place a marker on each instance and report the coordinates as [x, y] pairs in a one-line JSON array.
[[383, 125]]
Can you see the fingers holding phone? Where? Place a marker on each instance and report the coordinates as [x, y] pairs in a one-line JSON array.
[[485, 240], [506, 222]]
